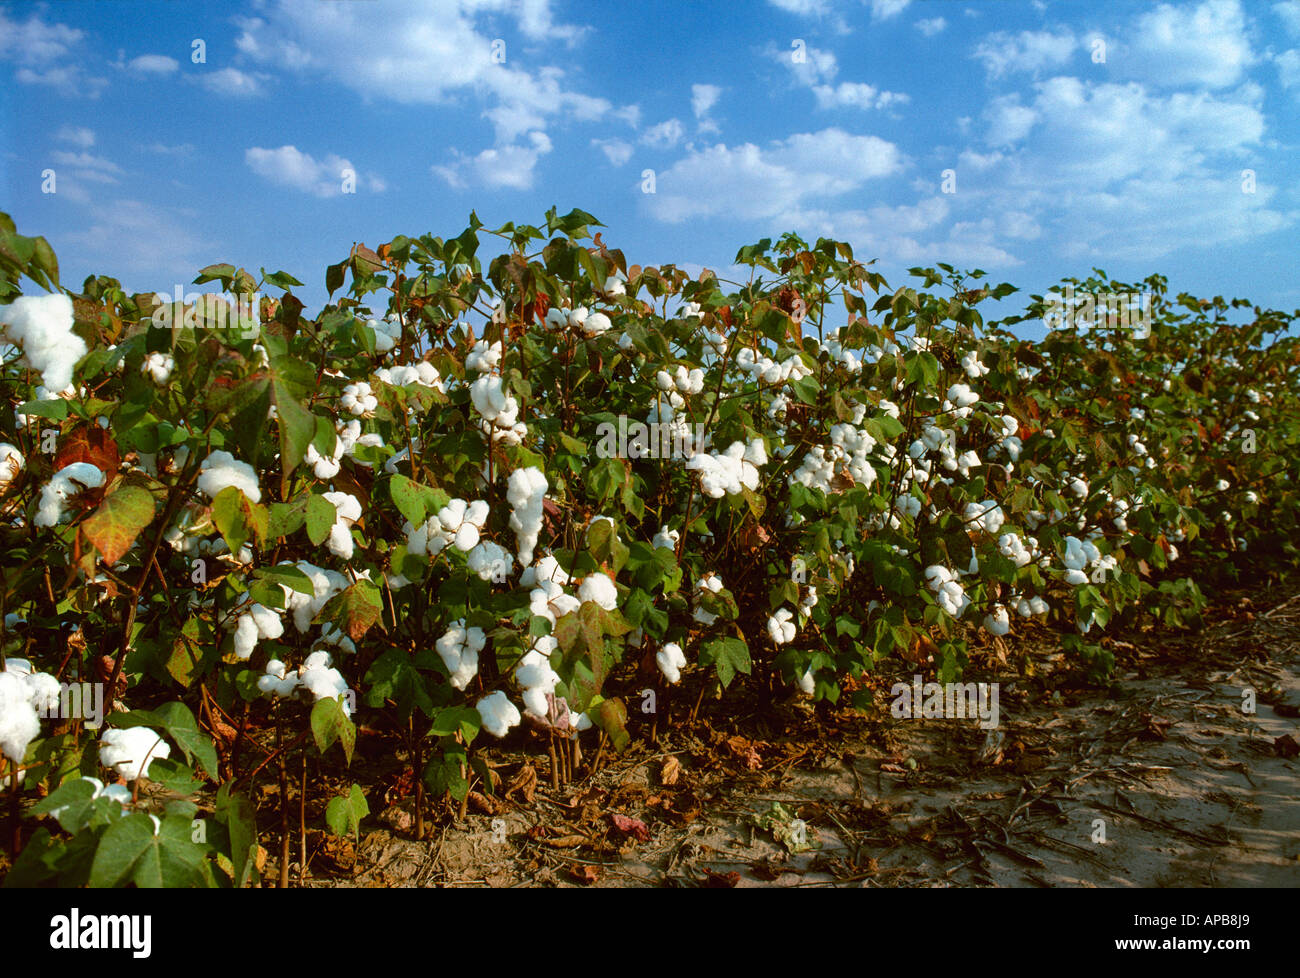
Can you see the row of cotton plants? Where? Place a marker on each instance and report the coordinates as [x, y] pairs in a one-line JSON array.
[[398, 507]]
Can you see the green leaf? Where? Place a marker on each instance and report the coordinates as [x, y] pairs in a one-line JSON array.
[[329, 724], [122, 514], [728, 656], [129, 852], [238, 814], [343, 815], [177, 720], [70, 804], [355, 609], [288, 575], [464, 719], [408, 497], [611, 717], [321, 516]]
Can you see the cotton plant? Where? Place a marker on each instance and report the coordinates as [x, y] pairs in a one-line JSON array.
[[671, 661], [41, 326], [459, 648], [221, 470], [130, 751], [66, 483]]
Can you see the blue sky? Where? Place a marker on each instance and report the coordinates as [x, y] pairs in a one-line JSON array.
[[1111, 135]]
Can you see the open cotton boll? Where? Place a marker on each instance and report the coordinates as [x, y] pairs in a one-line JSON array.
[[596, 324], [11, 465], [159, 366], [42, 327], [808, 682], [780, 627], [358, 399], [600, 589], [671, 661], [547, 568], [324, 682], [497, 713], [67, 482], [130, 751], [347, 510], [221, 470], [325, 466], [962, 396], [997, 622], [484, 357], [526, 493], [666, 539], [387, 333], [490, 561], [971, 364], [19, 723], [256, 622], [535, 675]]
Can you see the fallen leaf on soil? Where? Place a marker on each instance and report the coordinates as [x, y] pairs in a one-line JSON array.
[[585, 874], [744, 749], [1286, 746], [631, 826], [670, 772], [525, 782], [720, 881]]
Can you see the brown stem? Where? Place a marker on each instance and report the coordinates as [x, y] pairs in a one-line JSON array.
[[284, 805], [555, 764], [302, 821], [15, 826]]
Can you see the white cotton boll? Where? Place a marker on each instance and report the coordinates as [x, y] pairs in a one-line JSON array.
[[526, 493], [1038, 606], [808, 682], [484, 357], [1079, 488], [490, 561], [596, 324], [937, 576], [671, 661], [666, 539], [557, 318], [1222, 485], [962, 396], [664, 380], [998, 622], [221, 469], [67, 482], [325, 683], [42, 326], [972, 365], [19, 724], [388, 332], [11, 465], [497, 713], [780, 627], [159, 366], [130, 751], [600, 589], [324, 466], [1076, 577]]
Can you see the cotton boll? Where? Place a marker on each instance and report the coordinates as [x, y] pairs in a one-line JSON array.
[[600, 589], [388, 333], [808, 682], [358, 399], [780, 627], [671, 661], [130, 751], [997, 622], [484, 357], [666, 539], [221, 470], [490, 561], [497, 713], [67, 482], [535, 675], [526, 493], [42, 327], [11, 465], [19, 723], [596, 324]]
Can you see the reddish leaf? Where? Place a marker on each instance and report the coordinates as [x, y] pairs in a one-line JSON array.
[[631, 826], [88, 443]]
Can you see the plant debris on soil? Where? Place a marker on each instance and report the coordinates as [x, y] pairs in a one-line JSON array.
[[1164, 778]]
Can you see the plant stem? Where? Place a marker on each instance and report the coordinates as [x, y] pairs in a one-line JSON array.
[[284, 804]]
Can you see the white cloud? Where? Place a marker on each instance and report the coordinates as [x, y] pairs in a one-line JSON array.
[[886, 9], [615, 150], [931, 26], [703, 98], [856, 95], [749, 182], [231, 81], [162, 149], [803, 8], [511, 167], [1030, 51], [34, 42], [85, 161], [1202, 45], [1289, 11], [429, 52], [665, 135], [290, 167], [77, 135], [153, 64], [1288, 68]]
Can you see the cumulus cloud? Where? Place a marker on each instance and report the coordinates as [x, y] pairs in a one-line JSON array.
[[665, 135], [76, 135], [1029, 51], [750, 182], [856, 95], [290, 167], [887, 9], [1205, 45], [615, 150], [511, 167], [153, 64], [931, 26], [231, 81]]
